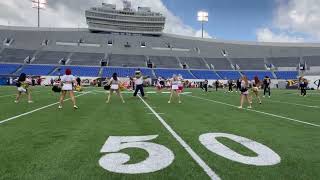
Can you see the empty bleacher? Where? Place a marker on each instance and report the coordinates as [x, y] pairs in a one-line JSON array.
[[193, 62], [127, 60], [79, 71], [15, 55], [41, 70], [90, 59], [284, 61], [6, 69], [205, 74], [312, 60], [164, 61], [229, 74], [168, 73], [219, 63], [250, 63], [261, 74], [50, 57], [125, 72], [287, 74]]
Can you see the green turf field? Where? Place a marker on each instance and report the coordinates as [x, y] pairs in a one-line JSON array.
[[38, 141]]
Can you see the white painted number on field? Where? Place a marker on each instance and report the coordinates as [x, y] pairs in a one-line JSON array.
[[159, 158], [266, 156]]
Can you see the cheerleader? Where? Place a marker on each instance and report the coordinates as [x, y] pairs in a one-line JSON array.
[[255, 88], [67, 83], [114, 84], [303, 83], [160, 84], [175, 82], [23, 87], [244, 92]]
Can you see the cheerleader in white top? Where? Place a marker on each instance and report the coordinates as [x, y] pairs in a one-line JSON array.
[[67, 83], [244, 92], [114, 84], [175, 83]]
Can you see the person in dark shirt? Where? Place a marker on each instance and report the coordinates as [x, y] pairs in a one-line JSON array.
[[230, 85], [78, 81], [217, 84], [205, 85], [238, 85], [266, 86]]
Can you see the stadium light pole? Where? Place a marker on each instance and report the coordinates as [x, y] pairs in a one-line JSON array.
[[203, 17], [39, 4]]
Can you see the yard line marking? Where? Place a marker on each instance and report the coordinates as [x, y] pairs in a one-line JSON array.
[[157, 113], [35, 110], [7, 95], [193, 154], [309, 106], [261, 112]]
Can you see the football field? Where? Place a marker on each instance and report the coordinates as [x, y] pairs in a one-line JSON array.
[[205, 137]]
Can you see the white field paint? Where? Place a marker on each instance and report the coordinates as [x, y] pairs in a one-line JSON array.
[[296, 104], [260, 112], [35, 110], [8, 95], [266, 156], [159, 157], [191, 152]]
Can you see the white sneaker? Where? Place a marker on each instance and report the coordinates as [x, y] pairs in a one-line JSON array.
[[16, 101], [60, 107], [30, 102], [240, 107], [180, 102], [269, 96], [249, 107], [263, 96], [169, 102], [75, 107]]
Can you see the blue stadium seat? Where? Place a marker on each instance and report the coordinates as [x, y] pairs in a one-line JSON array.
[[168, 73], [79, 71], [125, 72], [229, 74], [287, 74], [261, 74], [6, 69], [40, 70], [203, 74]]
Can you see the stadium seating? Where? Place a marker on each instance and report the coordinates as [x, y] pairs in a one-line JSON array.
[[287, 74], [168, 73], [219, 63], [261, 74], [250, 63], [79, 71], [205, 74], [193, 62], [37, 69], [90, 59], [284, 61], [127, 60], [15, 55], [164, 61], [229, 74], [50, 57], [125, 72], [312, 60], [6, 69]]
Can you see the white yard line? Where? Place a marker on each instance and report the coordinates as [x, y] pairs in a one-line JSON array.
[[7, 95], [35, 110], [260, 112], [297, 104], [191, 152]]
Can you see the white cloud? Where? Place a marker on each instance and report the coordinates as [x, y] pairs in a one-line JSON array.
[[266, 35], [294, 17], [70, 13]]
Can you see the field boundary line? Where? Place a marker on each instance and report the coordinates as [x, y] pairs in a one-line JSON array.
[[261, 112], [191, 152], [35, 110]]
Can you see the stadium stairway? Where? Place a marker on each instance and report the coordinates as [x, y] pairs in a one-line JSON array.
[[100, 71], [18, 71], [53, 71]]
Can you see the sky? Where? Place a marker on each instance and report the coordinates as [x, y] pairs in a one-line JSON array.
[[240, 20]]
